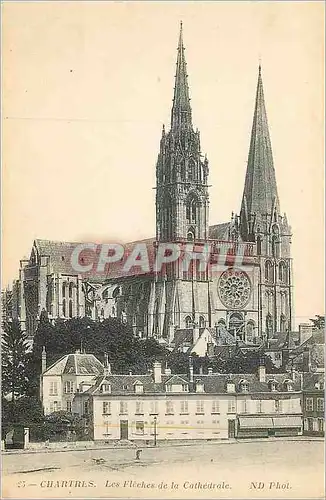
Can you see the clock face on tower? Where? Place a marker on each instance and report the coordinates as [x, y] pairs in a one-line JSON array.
[[234, 288]]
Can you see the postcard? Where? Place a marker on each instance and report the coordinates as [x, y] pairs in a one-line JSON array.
[[162, 330]]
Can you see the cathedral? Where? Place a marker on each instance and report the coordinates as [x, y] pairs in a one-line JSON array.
[[251, 302]]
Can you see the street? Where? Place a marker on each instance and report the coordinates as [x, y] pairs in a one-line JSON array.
[[262, 469]]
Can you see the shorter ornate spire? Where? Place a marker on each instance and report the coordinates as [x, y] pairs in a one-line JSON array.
[[181, 110]]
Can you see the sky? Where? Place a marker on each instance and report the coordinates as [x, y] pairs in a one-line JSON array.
[[87, 87]]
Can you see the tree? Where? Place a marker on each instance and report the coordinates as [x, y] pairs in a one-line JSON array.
[[62, 426], [27, 412], [318, 321], [14, 360], [126, 352]]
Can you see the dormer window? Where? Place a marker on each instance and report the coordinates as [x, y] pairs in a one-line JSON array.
[[319, 385], [125, 387], [288, 384], [138, 387], [230, 386], [200, 386], [273, 385], [177, 388], [244, 386], [106, 388]]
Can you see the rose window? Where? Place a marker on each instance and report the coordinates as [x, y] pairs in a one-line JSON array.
[[234, 288]]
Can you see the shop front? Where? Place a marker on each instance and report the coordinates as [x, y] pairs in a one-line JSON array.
[[287, 425]]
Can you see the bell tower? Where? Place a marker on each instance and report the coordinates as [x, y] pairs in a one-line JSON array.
[[181, 172]]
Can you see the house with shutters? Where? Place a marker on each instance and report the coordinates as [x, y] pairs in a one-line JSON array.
[[161, 406], [61, 380]]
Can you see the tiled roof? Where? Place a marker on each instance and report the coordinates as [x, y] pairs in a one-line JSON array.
[[219, 231], [183, 336], [316, 339], [60, 255], [317, 355], [215, 383], [76, 364], [60, 259], [311, 379], [223, 337]]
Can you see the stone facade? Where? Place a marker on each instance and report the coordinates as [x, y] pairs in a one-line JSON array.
[[253, 300]]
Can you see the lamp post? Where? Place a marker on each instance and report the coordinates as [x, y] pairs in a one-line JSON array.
[[155, 433]]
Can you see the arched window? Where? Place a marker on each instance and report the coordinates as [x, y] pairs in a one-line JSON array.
[[34, 257], [63, 289], [269, 325], [116, 292], [105, 294], [64, 311], [70, 308], [192, 170], [70, 289], [191, 235], [191, 211], [236, 325], [250, 331], [282, 323], [188, 322], [202, 322], [167, 223], [275, 241], [282, 272], [269, 271], [259, 242]]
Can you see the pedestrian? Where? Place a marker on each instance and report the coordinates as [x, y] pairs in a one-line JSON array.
[[138, 453]]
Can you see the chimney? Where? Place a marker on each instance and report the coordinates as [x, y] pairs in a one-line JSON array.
[[210, 371], [306, 360], [43, 359], [201, 370], [191, 370], [195, 333], [107, 366], [262, 371], [157, 372], [167, 371], [210, 349]]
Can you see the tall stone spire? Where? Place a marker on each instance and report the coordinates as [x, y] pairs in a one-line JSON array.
[[260, 191], [181, 110]]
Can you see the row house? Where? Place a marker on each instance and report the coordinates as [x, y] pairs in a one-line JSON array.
[[161, 406], [313, 406]]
